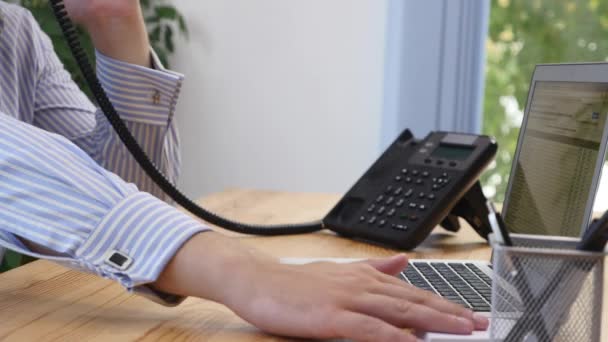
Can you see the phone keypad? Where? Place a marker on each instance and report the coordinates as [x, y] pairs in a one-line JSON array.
[[406, 200]]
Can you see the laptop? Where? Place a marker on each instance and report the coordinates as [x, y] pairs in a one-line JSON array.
[[554, 176]]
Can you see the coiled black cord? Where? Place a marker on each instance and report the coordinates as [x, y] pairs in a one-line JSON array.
[[69, 31]]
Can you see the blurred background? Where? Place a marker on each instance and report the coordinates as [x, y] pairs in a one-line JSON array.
[[303, 95]]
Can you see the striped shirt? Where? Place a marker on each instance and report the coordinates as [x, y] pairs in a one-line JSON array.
[[65, 175]]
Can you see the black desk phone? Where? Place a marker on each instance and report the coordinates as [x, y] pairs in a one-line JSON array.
[[397, 202], [413, 186]]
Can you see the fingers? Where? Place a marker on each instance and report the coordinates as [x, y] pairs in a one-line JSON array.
[[359, 327], [422, 297], [399, 289], [402, 313], [392, 265]]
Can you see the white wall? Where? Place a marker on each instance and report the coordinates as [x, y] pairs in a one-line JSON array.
[[280, 94]]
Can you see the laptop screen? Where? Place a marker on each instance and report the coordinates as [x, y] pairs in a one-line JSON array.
[[558, 154]]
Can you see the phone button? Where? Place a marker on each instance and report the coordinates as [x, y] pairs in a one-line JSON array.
[[399, 227]]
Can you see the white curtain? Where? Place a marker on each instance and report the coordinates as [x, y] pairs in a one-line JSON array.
[[435, 66]]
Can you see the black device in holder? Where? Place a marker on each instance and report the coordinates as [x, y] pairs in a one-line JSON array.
[[415, 185], [467, 209]]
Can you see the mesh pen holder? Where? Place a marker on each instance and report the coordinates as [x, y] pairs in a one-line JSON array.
[[545, 290]]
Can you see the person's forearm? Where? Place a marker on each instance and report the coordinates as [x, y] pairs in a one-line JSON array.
[[122, 38], [211, 266], [361, 301]]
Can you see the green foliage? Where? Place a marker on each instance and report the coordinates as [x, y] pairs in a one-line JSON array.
[[524, 33], [162, 20]]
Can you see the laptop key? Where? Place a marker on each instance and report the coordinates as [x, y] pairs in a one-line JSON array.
[[466, 286], [482, 308], [452, 283]]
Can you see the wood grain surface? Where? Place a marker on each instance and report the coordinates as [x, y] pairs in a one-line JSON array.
[[46, 302]]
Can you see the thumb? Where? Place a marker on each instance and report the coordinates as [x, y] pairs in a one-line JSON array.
[[392, 265]]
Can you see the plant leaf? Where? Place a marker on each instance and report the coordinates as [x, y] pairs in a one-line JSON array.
[[155, 34], [182, 26], [166, 12], [169, 39]]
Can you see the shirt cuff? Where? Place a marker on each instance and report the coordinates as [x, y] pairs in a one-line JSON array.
[[140, 94], [134, 242]]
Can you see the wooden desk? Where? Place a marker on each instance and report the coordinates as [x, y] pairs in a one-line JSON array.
[[43, 301]]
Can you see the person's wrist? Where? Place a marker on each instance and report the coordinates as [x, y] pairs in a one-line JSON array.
[[244, 276], [121, 36], [213, 267], [100, 16]]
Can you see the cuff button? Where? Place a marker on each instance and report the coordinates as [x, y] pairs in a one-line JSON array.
[[118, 260], [156, 97]]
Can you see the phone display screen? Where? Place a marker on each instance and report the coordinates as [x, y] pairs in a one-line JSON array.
[[453, 152]]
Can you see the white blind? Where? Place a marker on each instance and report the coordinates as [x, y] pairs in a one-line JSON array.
[[435, 66]]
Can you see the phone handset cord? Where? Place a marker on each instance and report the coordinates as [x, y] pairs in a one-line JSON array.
[[71, 35]]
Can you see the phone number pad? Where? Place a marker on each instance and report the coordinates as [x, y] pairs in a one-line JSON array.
[[405, 200]]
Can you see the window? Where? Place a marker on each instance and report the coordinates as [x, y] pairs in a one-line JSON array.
[[523, 33]]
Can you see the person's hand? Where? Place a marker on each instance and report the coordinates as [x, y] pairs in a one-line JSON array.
[[116, 27], [359, 301]]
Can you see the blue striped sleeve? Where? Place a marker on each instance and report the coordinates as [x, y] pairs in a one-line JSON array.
[[140, 94], [66, 181], [144, 97], [54, 195]]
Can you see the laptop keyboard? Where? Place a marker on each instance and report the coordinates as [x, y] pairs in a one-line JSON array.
[[462, 283]]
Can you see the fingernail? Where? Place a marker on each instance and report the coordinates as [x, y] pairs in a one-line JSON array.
[[398, 256], [409, 338], [467, 325], [481, 321]]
